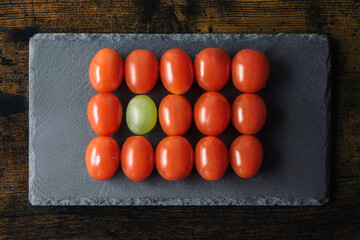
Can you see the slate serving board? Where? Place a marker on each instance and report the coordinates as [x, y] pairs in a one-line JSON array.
[[295, 170]]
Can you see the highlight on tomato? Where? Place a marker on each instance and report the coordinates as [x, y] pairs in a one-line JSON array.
[[176, 71], [106, 70], [212, 68], [141, 71], [212, 113], [250, 70], [246, 155], [174, 158], [248, 113], [137, 158], [102, 157], [104, 113], [211, 158], [175, 115]]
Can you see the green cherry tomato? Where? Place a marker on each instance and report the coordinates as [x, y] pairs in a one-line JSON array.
[[141, 114]]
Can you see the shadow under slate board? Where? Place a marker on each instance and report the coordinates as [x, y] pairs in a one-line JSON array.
[[295, 137]]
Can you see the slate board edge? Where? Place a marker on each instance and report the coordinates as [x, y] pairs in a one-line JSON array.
[[328, 103], [32, 120], [266, 201], [174, 36]]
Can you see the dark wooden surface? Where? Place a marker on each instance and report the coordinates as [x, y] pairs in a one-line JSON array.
[[339, 20]]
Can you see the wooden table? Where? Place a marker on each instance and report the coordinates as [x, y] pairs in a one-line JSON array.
[[339, 20]]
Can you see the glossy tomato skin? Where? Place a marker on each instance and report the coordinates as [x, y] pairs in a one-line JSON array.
[[175, 115], [211, 158], [137, 158], [250, 70], [174, 158], [248, 113], [176, 71], [104, 113], [106, 70], [212, 68], [212, 113], [102, 157], [246, 155], [141, 71]]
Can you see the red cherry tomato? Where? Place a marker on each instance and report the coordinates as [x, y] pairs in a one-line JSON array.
[[174, 158], [175, 115], [105, 113], [102, 157], [250, 70], [211, 158], [106, 70], [212, 113], [137, 158], [176, 71], [141, 71], [248, 113], [212, 68], [246, 155]]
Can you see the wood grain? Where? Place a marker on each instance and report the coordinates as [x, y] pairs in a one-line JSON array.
[[339, 20]]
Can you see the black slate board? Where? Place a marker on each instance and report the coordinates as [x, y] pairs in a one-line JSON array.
[[295, 137]]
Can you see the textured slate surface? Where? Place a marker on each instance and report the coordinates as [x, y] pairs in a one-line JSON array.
[[295, 138]]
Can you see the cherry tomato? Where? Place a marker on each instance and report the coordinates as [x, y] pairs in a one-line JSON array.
[[248, 113], [250, 70], [105, 113], [175, 115], [137, 158], [211, 158], [141, 71], [102, 157], [174, 158], [141, 114], [106, 70], [246, 155], [212, 68], [212, 113], [176, 71]]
